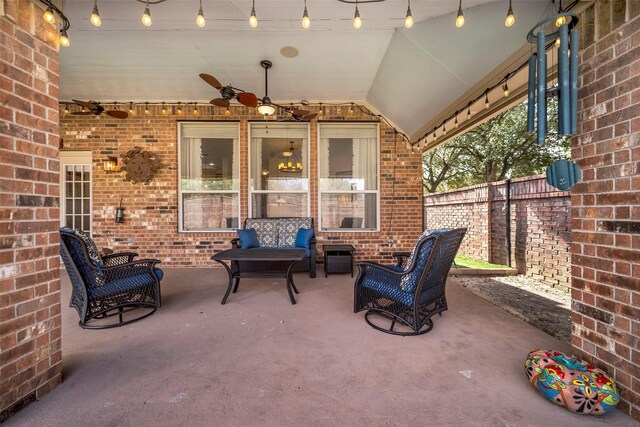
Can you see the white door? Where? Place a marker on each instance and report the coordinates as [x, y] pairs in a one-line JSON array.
[[75, 190]]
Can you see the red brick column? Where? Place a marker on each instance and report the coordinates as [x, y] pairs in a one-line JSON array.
[[606, 205], [30, 360]]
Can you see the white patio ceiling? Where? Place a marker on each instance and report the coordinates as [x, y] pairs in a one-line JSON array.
[[408, 75]]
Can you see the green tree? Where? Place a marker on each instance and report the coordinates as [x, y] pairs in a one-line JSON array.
[[498, 149]]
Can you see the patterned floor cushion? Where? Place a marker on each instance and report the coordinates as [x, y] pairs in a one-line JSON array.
[[571, 382]]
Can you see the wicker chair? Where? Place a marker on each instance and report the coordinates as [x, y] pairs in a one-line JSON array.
[[409, 295], [109, 285]]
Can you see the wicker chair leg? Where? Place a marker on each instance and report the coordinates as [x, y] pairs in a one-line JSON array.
[[428, 323]]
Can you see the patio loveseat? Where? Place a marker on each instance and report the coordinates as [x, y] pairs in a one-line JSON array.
[[279, 233]]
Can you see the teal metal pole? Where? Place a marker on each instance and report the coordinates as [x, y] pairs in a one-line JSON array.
[[563, 82], [531, 100], [573, 81], [542, 88]]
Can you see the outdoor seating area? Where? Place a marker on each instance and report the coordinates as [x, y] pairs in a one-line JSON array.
[[262, 361]]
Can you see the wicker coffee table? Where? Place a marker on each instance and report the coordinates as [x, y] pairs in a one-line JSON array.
[[280, 262]]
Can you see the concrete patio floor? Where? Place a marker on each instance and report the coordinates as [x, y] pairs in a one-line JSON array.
[[260, 361]]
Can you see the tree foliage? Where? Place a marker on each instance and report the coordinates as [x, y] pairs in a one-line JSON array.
[[498, 149]]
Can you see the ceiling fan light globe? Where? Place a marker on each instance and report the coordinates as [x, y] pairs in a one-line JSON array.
[[266, 109]]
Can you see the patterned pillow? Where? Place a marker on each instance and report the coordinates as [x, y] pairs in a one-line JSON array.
[[266, 229], [413, 252], [288, 230], [94, 254]]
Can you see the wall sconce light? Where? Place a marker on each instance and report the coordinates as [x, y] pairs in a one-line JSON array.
[[120, 213], [110, 165]]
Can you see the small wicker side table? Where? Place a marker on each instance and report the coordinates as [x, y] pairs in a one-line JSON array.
[[338, 259]]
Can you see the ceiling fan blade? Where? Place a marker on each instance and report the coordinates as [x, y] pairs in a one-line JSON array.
[[299, 113], [309, 116], [211, 80], [248, 99], [81, 113], [219, 102], [85, 104], [116, 114]]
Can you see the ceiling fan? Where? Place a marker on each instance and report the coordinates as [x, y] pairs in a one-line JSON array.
[[227, 93], [268, 108], [93, 107]]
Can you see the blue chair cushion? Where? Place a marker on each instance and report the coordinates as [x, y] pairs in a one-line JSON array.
[[248, 238], [388, 290], [303, 238], [121, 285]]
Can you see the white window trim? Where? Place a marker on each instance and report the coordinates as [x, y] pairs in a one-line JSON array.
[[181, 192], [75, 158], [250, 192], [321, 192]]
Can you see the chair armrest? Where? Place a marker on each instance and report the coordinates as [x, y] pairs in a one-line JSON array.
[[401, 257], [365, 265], [118, 258]]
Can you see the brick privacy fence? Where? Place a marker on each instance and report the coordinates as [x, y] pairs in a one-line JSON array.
[[151, 216], [606, 205], [30, 343], [540, 225]]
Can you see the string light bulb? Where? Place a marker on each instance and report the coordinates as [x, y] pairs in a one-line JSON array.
[[408, 20], [64, 39], [200, 21], [164, 108], [560, 20], [306, 22], [131, 108], [66, 108], [455, 123], [95, 19], [468, 113], [487, 104], [505, 89], [146, 108], [227, 112], [146, 16], [357, 21], [48, 16], [460, 17], [253, 20], [179, 108], [557, 41], [444, 128], [195, 108], [511, 18]]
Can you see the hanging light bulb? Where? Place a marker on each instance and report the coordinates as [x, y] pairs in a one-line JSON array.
[[408, 20], [505, 89], [64, 39], [434, 134], [253, 20], [164, 108], [227, 112], [179, 108], [560, 20], [351, 109], [95, 15], [200, 21], [487, 104], [511, 18], [66, 108], [131, 108], [357, 21], [306, 22], [557, 41], [48, 16], [460, 17], [455, 123], [146, 16], [444, 128], [195, 108], [468, 113]]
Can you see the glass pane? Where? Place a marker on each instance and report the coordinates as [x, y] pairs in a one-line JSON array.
[[208, 162], [85, 190], [68, 221], [86, 223], [279, 164], [77, 189], [85, 173], [209, 211], [77, 207], [85, 206], [278, 204], [68, 209], [355, 211], [68, 189], [69, 173], [348, 158]]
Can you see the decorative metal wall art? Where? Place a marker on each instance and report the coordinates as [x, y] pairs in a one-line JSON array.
[[140, 166]]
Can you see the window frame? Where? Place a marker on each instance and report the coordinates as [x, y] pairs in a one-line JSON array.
[[251, 192], [377, 191], [181, 228]]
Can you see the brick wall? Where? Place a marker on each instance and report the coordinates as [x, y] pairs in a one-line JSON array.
[[29, 264], [606, 205], [540, 225], [151, 216]]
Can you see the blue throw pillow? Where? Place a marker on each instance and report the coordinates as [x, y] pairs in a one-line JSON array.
[[248, 238], [303, 238]]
